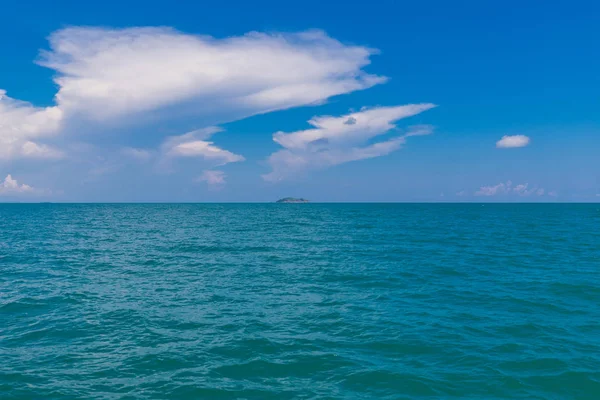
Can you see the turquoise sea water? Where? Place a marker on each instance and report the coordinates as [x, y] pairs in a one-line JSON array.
[[286, 301]]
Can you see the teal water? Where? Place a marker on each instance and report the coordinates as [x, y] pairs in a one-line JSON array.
[[316, 301]]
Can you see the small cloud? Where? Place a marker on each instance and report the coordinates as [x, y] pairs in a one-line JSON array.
[[494, 190], [521, 189], [212, 177], [198, 134], [201, 148], [525, 190], [509, 142], [11, 186], [553, 194], [193, 144], [507, 188], [419, 130], [350, 121], [461, 193], [35, 150]]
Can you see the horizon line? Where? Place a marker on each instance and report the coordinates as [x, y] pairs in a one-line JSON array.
[[307, 203]]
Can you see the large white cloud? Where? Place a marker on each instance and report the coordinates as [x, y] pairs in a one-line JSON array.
[[110, 75], [337, 140], [107, 72]]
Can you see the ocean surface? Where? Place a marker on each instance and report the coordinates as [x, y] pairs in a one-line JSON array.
[[300, 301]]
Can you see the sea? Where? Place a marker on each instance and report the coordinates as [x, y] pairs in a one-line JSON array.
[[300, 301]]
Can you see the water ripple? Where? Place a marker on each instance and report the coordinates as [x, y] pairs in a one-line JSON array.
[[311, 302]]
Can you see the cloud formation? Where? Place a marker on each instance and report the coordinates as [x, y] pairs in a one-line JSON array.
[[508, 188], [21, 123], [38, 150], [115, 71], [509, 142], [106, 76], [192, 144], [11, 186], [337, 140]]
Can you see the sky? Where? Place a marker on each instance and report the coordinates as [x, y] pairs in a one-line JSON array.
[[237, 101]]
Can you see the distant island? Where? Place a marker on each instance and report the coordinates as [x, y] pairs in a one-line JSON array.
[[292, 200]]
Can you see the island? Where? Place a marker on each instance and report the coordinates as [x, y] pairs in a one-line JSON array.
[[291, 200]]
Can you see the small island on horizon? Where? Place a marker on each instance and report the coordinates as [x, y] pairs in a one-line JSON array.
[[292, 200]]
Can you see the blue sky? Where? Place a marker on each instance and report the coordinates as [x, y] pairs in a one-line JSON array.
[[407, 101]]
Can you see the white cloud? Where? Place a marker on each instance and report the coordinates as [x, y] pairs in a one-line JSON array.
[[11, 186], [212, 177], [20, 122], [508, 142], [337, 140], [553, 194], [191, 145], [507, 188], [23, 119], [521, 189], [119, 71], [109, 75], [206, 150], [36, 150], [494, 190]]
